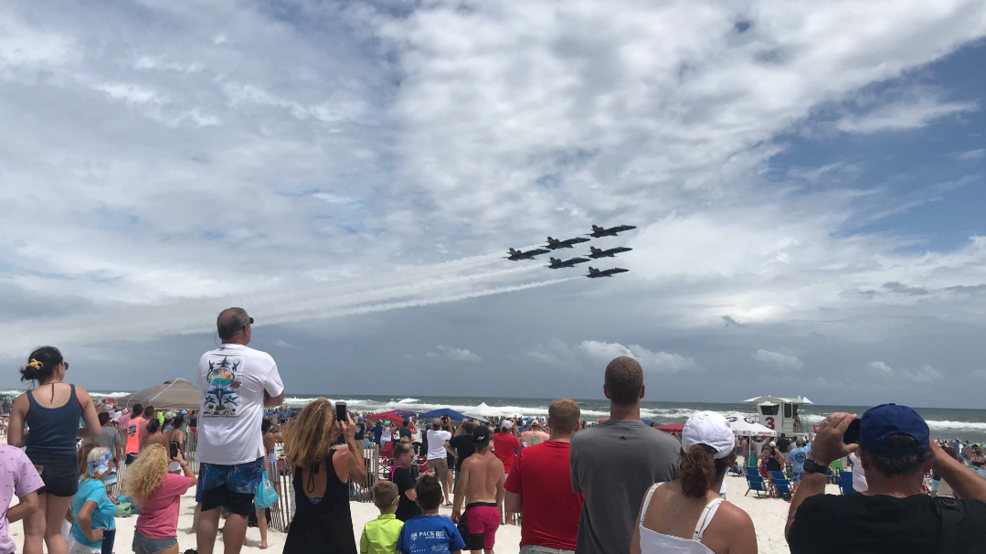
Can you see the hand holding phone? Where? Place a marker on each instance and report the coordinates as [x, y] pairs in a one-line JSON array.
[[851, 435], [341, 412]]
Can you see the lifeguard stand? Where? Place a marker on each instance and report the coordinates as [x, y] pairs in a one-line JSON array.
[[780, 414]]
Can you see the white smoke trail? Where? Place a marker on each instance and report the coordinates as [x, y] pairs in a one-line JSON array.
[[298, 301]]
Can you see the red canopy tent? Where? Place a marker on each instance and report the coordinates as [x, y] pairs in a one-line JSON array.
[[387, 416], [673, 428]]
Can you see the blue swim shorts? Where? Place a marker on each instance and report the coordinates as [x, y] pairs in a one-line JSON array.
[[231, 487]]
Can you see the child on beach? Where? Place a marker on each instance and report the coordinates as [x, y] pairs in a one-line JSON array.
[[94, 530], [380, 535], [429, 533], [159, 494]]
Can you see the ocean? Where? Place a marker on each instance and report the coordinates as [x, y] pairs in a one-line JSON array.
[[943, 422]]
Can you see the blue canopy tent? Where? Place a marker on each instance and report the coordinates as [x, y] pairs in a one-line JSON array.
[[452, 414]]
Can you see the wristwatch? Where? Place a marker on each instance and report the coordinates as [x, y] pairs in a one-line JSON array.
[[811, 466]]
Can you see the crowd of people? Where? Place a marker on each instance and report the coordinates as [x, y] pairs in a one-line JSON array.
[[612, 488]]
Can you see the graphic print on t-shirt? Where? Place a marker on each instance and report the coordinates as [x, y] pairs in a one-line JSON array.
[[222, 400]]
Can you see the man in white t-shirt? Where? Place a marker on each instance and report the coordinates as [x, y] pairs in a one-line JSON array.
[[437, 437], [236, 383]]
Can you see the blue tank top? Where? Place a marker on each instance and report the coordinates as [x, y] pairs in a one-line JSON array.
[[53, 430]]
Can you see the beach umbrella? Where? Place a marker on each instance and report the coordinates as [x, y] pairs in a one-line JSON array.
[[177, 394], [452, 414], [387, 416], [743, 428], [673, 428]]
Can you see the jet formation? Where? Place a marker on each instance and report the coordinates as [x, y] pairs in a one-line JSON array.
[[594, 253]]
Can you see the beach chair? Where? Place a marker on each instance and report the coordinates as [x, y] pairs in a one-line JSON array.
[[755, 482], [845, 482], [782, 486]]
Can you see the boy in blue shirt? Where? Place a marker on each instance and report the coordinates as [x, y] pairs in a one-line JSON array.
[[429, 533]]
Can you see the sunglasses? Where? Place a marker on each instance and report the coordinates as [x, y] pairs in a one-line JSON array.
[[395, 500], [66, 365], [251, 321]]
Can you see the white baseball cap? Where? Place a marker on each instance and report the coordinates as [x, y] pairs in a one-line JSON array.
[[710, 429], [507, 424]]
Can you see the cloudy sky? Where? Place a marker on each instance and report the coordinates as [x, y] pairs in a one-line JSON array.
[[809, 182]]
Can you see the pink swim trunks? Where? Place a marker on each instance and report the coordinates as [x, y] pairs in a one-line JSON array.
[[482, 520]]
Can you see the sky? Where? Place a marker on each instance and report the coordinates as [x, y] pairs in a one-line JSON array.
[[807, 180]]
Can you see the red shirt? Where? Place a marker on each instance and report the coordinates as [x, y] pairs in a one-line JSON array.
[[504, 446], [551, 510]]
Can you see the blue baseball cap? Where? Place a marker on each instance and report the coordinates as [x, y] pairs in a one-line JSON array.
[[886, 420]]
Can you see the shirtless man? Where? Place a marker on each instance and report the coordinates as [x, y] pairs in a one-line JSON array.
[[481, 485]]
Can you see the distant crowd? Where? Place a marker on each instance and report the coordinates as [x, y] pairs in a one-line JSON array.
[[612, 488]]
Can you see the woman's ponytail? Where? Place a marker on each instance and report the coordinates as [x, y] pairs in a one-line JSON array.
[[698, 470], [41, 364]]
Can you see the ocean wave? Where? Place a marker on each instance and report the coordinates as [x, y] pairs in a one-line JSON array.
[[18, 392]]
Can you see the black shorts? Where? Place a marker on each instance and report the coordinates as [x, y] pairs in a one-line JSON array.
[[131, 458], [59, 472]]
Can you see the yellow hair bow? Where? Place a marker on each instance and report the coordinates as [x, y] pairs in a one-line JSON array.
[[34, 364]]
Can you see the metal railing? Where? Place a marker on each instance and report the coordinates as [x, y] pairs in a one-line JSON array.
[[282, 512]]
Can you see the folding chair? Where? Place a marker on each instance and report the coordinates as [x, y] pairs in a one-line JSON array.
[[781, 484], [755, 482]]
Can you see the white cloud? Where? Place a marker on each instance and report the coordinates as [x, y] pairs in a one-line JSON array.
[[601, 353], [924, 374], [461, 132], [879, 368], [970, 155], [903, 115], [443, 352], [776, 360], [282, 343]]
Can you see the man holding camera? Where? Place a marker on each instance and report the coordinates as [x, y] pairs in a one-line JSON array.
[[895, 514]]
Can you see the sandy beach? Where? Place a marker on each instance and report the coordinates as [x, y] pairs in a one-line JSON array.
[[769, 516]]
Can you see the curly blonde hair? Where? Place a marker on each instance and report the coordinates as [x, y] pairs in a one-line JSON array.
[[310, 438], [147, 472]]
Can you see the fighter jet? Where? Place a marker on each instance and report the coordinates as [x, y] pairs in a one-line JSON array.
[[611, 253], [596, 273], [555, 244], [598, 231], [558, 264], [516, 255]]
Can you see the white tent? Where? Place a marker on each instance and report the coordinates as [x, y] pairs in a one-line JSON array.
[[743, 428]]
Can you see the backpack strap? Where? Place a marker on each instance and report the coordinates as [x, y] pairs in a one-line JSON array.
[[951, 512]]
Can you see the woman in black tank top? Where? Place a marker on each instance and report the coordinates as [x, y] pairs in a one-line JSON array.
[[322, 473], [773, 460], [52, 411]]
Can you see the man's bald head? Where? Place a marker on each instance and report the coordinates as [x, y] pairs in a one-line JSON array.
[[624, 381], [231, 322]]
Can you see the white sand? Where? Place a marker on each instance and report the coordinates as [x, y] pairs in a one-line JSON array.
[[769, 516]]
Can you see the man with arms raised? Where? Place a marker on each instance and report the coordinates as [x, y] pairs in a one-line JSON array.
[[437, 455], [616, 461], [540, 487], [481, 485], [237, 383], [895, 514]]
